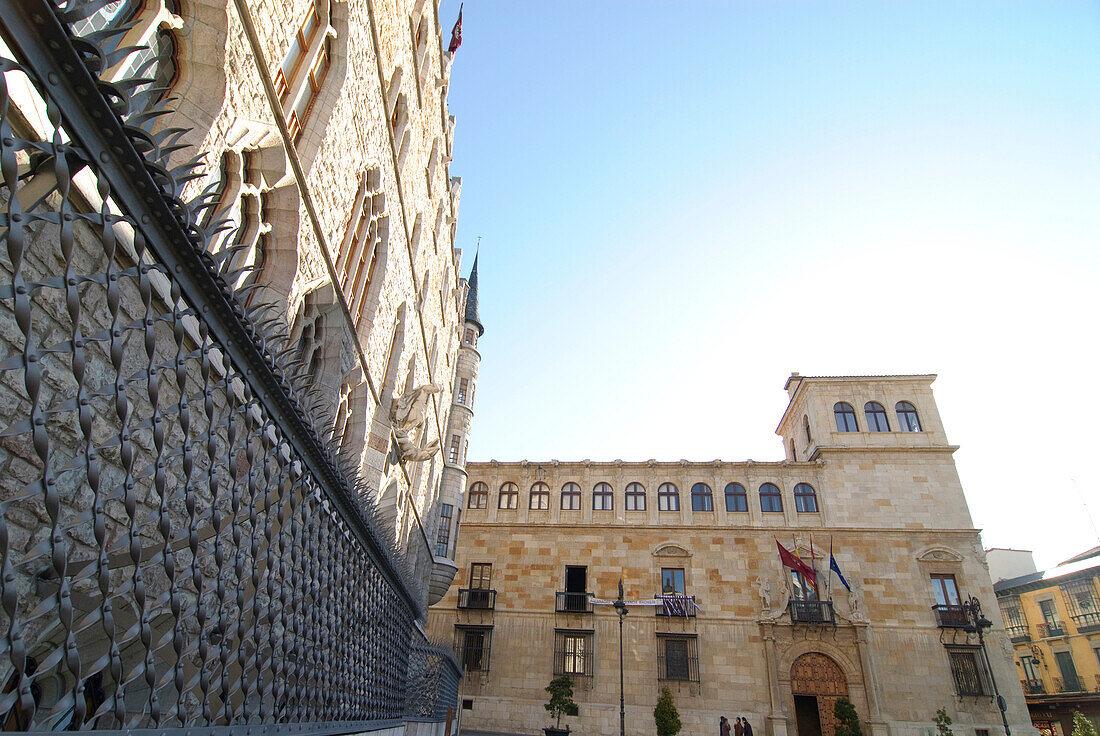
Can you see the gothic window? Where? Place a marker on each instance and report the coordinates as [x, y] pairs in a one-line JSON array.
[[701, 498], [668, 497], [907, 417], [845, 417], [770, 499], [806, 426], [635, 497], [540, 497], [805, 499], [571, 497], [509, 496], [876, 417], [478, 497], [443, 535], [678, 657], [311, 337], [304, 68], [242, 204], [737, 500], [603, 498], [363, 246]]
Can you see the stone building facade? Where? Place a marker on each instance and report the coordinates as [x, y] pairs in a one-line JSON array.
[[327, 140], [1052, 618], [730, 630]]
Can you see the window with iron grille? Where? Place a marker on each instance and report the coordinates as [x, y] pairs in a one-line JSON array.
[[678, 657], [473, 646], [573, 653], [1080, 597], [443, 536], [968, 670]]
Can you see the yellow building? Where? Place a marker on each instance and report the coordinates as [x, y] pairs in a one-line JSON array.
[[730, 630], [1053, 620]]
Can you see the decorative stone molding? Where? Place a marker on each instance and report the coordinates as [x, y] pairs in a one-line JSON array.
[[671, 550], [939, 554]]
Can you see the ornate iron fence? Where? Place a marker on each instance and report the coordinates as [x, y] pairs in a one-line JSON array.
[[178, 547]]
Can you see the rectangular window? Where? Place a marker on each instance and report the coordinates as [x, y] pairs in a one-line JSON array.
[[802, 590], [635, 498], [472, 647], [470, 336], [1050, 613], [944, 590], [672, 581], [678, 658], [453, 448], [573, 653], [967, 670], [481, 574], [463, 385], [443, 536]]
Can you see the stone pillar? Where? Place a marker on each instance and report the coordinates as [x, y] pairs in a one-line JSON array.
[[879, 727], [777, 720]]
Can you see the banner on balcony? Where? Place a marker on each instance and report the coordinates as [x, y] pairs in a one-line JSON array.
[[680, 605]]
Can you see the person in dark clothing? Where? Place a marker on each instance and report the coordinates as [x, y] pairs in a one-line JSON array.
[[723, 726], [747, 728], [738, 729]]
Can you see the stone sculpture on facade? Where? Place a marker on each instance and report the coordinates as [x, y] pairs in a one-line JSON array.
[[408, 414]]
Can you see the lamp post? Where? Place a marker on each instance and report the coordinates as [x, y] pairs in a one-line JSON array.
[[977, 623], [620, 608]]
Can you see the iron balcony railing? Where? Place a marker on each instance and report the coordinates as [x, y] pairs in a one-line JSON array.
[[179, 547], [473, 658], [569, 602], [811, 612], [1086, 623], [950, 616], [1048, 629], [682, 606], [1018, 634], [477, 598], [1034, 687]]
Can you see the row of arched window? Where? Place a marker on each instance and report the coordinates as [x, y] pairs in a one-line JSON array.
[[875, 414], [668, 497]]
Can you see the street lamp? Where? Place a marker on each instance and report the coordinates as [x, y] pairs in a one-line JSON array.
[[977, 623], [620, 608]]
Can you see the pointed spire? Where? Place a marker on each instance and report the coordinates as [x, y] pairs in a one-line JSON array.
[[471, 300]]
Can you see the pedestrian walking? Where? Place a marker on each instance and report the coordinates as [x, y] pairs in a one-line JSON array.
[[723, 726], [747, 728], [738, 729]]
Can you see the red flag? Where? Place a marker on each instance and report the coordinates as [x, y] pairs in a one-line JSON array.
[[789, 560], [456, 33]]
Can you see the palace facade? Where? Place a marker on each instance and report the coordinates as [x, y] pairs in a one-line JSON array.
[[869, 474]]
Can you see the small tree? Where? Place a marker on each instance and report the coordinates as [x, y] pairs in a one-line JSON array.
[[1082, 726], [943, 723], [561, 698], [847, 720], [665, 715]]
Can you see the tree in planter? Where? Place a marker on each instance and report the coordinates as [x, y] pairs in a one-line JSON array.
[[847, 720], [561, 699], [943, 723], [665, 715], [1082, 726]]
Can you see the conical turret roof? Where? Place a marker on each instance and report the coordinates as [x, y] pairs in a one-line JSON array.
[[471, 301]]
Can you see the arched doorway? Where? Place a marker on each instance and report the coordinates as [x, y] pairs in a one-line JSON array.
[[816, 683]]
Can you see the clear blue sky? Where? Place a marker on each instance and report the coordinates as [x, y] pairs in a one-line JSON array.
[[682, 203]]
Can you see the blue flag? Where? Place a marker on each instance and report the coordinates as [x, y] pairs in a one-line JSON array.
[[836, 568]]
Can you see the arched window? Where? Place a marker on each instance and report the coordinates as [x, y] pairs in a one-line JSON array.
[[478, 498], [876, 417], [907, 417], [509, 496], [571, 497], [737, 500], [770, 499], [845, 417], [635, 497], [304, 68], [701, 498], [540, 497], [603, 498], [806, 426], [668, 497], [805, 499]]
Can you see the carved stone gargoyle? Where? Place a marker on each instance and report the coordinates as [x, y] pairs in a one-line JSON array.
[[408, 414]]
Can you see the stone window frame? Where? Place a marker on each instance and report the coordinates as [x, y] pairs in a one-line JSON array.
[[668, 497], [967, 671], [443, 532], [804, 497], [634, 492], [774, 495], [563, 657], [508, 496], [362, 258], [243, 203], [304, 67], [603, 497]]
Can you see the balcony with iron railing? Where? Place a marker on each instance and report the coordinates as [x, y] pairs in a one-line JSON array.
[[1018, 634], [571, 602], [950, 616], [682, 606], [477, 599], [1049, 629], [1034, 687], [1087, 623], [811, 612]]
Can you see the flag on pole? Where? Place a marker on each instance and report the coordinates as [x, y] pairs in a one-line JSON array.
[[456, 33], [793, 562], [833, 567]]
